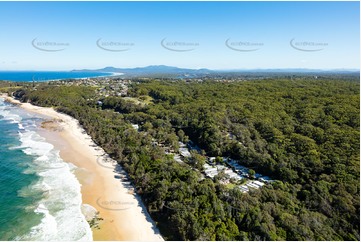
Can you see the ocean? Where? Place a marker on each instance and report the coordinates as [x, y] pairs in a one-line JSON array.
[[41, 76], [40, 196]]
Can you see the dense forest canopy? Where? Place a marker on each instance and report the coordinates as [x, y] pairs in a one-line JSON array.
[[304, 133]]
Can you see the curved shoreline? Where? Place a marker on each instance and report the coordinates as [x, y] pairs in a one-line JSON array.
[[102, 75], [104, 186]]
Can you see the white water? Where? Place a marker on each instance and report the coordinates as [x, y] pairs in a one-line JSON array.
[[60, 206]]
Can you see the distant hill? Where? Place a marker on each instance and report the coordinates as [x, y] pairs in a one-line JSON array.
[[171, 71], [152, 70]]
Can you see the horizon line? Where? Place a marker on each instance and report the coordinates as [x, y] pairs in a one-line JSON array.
[[230, 69]]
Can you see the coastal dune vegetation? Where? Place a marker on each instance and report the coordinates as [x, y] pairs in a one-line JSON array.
[[302, 133]]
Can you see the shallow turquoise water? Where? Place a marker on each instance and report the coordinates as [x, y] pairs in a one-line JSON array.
[[15, 217], [40, 196]]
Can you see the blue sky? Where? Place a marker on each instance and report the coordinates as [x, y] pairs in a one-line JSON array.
[[262, 34]]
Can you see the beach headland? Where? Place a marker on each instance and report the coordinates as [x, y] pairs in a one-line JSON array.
[[120, 213]]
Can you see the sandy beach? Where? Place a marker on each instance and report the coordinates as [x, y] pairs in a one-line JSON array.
[[104, 185]]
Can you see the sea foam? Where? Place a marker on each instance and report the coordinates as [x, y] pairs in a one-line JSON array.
[[60, 205]]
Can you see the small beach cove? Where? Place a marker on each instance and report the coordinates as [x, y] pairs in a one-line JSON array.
[[104, 186]]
